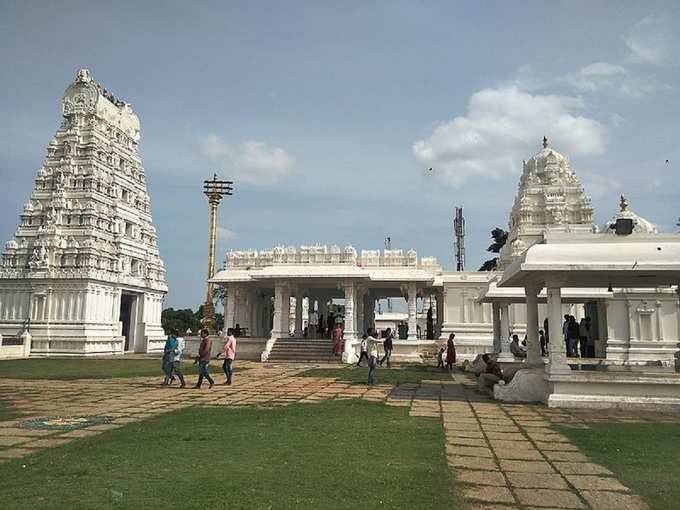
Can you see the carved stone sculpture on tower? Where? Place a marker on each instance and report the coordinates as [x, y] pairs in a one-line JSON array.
[[61, 272]]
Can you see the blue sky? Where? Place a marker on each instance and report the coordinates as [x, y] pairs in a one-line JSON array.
[[327, 114]]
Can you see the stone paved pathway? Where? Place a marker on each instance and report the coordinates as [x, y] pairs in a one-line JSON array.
[[507, 457]]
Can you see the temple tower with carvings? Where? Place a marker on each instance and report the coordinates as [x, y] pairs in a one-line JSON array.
[[550, 198], [83, 271]]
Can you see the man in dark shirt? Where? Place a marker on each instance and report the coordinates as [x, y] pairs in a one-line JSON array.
[[203, 359], [491, 375], [387, 347]]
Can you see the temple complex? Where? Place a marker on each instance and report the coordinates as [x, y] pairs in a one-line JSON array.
[[83, 273], [621, 278]]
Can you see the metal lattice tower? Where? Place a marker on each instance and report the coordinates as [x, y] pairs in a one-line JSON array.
[[459, 233]]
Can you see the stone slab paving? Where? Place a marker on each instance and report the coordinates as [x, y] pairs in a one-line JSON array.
[[510, 457]]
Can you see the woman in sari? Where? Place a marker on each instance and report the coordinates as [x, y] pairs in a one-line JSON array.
[[450, 352], [337, 339]]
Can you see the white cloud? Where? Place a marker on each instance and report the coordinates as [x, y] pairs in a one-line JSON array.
[[503, 126], [653, 41], [225, 235], [605, 77], [251, 162]]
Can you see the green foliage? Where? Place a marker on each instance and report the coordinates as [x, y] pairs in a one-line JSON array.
[[335, 454], [499, 237], [643, 456], [219, 318], [7, 412], [181, 320]]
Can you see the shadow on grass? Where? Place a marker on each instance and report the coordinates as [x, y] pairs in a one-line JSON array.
[[397, 375], [643, 456], [335, 454], [7, 412], [90, 368]]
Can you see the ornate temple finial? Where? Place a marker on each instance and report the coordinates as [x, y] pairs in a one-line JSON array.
[[545, 142], [623, 203], [83, 76]]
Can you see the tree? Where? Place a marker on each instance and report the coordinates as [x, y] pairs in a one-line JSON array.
[[219, 295], [181, 320], [499, 237], [218, 320]]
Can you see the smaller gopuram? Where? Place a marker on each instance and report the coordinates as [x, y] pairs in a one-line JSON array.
[[550, 198], [83, 273]]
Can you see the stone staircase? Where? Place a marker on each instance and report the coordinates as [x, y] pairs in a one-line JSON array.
[[303, 350]]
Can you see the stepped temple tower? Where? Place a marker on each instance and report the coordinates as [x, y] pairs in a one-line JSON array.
[[83, 273], [550, 198]]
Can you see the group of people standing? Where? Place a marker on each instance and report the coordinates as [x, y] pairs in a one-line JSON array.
[[578, 337], [172, 355]]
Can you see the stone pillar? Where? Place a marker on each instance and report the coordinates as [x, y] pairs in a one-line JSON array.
[[298, 314], [440, 315], [360, 322], [230, 307], [533, 344], [496, 318], [412, 311], [558, 355], [350, 332], [280, 313], [505, 331]]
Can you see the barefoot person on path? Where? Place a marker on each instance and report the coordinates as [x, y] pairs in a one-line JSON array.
[[229, 352], [203, 359]]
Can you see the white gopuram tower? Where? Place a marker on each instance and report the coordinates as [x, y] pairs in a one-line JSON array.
[[83, 271], [550, 198]]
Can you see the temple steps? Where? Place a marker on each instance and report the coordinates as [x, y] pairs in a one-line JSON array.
[[304, 350]]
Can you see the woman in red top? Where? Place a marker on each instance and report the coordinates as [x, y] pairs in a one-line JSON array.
[[337, 339], [450, 352]]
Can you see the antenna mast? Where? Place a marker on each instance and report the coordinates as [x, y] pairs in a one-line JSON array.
[[459, 233]]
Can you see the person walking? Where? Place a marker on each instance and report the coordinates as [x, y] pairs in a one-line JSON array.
[[229, 352], [203, 359], [372, 345], [176, 358], [166, 361], [364, 350], [387, 347], [450, 352]]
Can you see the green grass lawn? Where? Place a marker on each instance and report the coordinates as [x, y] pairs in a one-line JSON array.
[[643, 456], [336, 454], [7, 412], [90, 368], [398, 374]]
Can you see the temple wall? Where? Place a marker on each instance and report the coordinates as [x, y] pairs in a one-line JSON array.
[[642, 327], [78, 317], [470, 320]]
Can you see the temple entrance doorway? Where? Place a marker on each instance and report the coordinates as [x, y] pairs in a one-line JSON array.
[[128, 319]]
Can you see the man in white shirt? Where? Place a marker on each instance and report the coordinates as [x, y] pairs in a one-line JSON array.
[[312, 323], [372, 346]]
